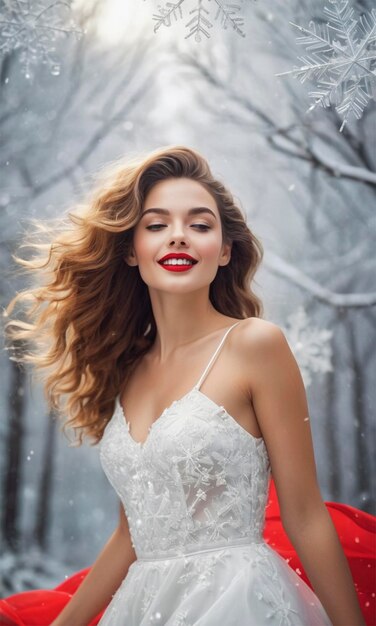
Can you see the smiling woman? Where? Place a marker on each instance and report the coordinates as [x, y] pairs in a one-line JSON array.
[[150, 332]]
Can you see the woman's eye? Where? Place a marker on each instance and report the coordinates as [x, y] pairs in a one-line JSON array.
[[200, 226], [154, 226], [204, 226]]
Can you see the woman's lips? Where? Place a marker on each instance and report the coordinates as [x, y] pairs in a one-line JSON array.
[[177, 268]]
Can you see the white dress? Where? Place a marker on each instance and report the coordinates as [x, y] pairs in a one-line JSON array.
[[194, 494]]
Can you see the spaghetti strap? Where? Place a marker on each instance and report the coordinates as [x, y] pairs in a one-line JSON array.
[[201, 380]]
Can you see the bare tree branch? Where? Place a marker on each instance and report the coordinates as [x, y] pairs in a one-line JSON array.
[[280, 267]]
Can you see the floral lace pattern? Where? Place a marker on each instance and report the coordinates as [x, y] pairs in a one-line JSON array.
[[200, 480]]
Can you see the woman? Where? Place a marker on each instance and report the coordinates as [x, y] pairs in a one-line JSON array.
[[156, 341]]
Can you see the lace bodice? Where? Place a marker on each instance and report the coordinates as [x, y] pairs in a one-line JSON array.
[[200, 480]]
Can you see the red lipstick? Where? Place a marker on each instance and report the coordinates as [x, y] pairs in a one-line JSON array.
[[178, 267]]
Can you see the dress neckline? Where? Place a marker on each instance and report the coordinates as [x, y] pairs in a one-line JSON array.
[[198, 384], [195, 389]]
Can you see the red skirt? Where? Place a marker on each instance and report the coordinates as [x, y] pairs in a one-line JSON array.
[[356, 531]]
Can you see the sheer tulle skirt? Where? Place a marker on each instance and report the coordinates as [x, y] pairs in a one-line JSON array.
[[236, 586], [264, 580]]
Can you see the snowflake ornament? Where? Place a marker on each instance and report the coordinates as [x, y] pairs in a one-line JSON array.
[[341, 59], [310, 346], [201, 20], [33, 27]]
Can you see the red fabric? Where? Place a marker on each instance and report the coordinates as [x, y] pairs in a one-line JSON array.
[[356, 530], [357, 533]]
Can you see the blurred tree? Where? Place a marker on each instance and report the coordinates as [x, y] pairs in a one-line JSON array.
[[12, 478], [44, 504]]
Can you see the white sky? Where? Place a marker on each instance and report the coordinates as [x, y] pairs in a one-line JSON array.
[[119, 19]]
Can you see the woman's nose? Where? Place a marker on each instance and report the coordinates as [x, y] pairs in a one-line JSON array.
[[180, 240], [178, 235]]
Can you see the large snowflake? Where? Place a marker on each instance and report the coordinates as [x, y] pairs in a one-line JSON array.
[[33, 27], [310, 346], [201, 20], [342, 60]]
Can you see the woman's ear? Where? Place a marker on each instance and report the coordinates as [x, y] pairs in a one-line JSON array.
[[130, 259], [226, 254]]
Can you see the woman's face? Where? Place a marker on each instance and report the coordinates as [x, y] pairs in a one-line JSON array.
[[174, 228]]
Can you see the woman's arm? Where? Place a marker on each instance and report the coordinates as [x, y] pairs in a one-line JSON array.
[[279, 400], [104, 578], [316, 541]]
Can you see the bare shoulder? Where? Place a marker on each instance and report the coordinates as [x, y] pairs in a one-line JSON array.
[[261, 348], [258, 327], [258, 337]]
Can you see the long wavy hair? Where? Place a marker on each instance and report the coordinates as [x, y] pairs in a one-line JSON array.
[[89, 316]]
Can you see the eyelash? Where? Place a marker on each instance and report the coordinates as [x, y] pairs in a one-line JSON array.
[[204, 227]]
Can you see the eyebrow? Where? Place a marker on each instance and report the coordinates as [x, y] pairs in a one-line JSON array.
[[193, 211]]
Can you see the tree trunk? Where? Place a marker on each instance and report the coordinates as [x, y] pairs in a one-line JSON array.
[[45, 487], [13, 461]]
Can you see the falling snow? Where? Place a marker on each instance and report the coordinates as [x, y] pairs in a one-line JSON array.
[[341, 60]]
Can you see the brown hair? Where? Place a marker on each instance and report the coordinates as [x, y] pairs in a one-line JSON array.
[[90, 318]]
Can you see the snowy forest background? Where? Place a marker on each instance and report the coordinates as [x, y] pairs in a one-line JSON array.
[[100, 84]]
